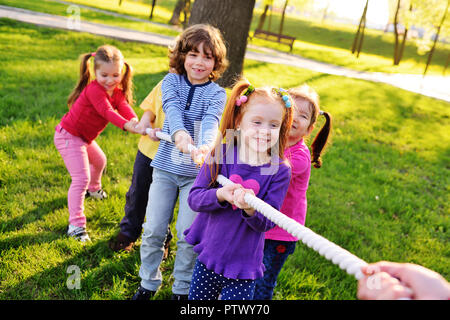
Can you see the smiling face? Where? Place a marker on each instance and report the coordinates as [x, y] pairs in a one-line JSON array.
[[301, 121], [260, 126], [109, 75], [199, 64]]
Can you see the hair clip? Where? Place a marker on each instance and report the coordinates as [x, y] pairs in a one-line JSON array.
[[284, 95], [93, 54], [243, 99]]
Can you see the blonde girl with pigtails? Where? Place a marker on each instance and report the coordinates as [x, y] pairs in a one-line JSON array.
[[279, 244], [94, 102]]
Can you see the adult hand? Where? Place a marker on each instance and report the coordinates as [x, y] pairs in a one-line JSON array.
[[389, 280]]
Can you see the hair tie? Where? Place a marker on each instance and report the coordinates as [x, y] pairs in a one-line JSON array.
[[321, 112], [284, 95], [244, 98], [93, 54]]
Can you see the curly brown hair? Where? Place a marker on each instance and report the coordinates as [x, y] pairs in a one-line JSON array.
[[190, 39]]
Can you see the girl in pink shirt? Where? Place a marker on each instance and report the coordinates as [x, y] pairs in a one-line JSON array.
[[279, 244], [92, 105]]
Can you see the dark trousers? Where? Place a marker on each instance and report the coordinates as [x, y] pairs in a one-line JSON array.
[[137, 197], [275, 254]]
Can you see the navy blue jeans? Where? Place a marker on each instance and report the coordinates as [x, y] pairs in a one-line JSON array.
[[275, 254], [137, 197]]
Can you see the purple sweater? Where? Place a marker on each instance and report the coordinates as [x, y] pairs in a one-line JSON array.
[[228, 241]]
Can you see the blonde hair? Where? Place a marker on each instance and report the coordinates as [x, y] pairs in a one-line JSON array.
[[104, 54], [308, 94]]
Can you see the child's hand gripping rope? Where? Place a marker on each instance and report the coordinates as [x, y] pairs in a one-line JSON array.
[[198, 155]]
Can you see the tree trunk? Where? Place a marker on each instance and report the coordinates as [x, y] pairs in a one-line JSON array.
[[120, 3], [359, 36], [282, 16], [361, 39], [151, 10], [396, 33], [179, 6], [234, 23], [438, 30], [262, 19], [186, 12]]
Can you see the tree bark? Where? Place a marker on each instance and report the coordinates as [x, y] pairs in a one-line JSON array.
[[282, 16], [151, 10], [234, 23], [438, 30], [396, 33], [179, 6], [262, 19], [359, 36], [446, 64]]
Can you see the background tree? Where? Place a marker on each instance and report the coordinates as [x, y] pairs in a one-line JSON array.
[[234, 23], [182, 6], [359, 36], [440, 27]]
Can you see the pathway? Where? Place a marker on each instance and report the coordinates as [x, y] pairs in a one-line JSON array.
[[432, 86]]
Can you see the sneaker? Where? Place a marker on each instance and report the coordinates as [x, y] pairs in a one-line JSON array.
[[179, 296], [143, 294], [99, 194], [78, 233], [121, 242]]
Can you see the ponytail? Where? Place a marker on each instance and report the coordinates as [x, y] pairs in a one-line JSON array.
[[321, 140], [85, 78], [127, 83]]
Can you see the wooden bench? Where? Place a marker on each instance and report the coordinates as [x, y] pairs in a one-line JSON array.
[[275, 37]]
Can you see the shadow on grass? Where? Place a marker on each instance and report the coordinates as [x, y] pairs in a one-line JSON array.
[[42, 209]]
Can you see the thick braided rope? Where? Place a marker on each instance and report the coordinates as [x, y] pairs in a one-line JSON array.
[[339, 256]]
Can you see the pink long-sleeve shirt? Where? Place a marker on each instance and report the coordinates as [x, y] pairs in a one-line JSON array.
[[295, 204], [94, 109]]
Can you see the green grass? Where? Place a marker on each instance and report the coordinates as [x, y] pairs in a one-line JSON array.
[[382, 193], [328, 42]]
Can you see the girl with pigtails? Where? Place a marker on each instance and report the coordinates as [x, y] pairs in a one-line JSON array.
[[227, 234], [92, 105], [279, 244]]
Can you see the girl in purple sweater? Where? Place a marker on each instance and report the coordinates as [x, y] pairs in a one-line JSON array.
[[227, 234]]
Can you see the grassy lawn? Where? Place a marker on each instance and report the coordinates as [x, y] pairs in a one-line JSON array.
[[328, 42], [382, 193]]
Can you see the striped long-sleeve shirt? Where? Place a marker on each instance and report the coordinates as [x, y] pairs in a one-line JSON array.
[[197, 109]]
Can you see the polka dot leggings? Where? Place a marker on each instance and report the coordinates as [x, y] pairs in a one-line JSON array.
[[208, 285]]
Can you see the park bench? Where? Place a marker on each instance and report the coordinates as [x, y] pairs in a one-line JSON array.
[[275, 37]]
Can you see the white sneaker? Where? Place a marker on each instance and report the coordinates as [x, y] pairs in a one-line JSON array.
[[99, 194], [78, 233]]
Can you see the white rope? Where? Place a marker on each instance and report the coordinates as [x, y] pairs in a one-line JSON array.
[[339, 256]]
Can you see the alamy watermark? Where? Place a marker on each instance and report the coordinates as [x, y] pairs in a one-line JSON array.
[[74, 279], [74, 20]]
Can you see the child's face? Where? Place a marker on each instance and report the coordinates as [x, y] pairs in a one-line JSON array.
[[199, 64], [260, 125], [109, 75], [300, 121]]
